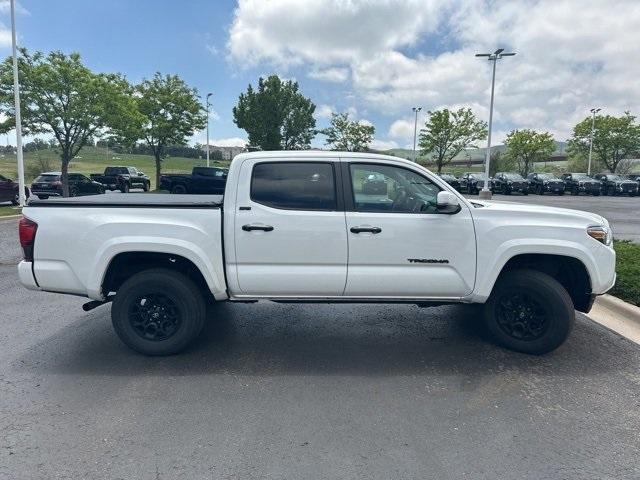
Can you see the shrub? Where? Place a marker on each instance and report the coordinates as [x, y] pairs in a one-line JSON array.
[[627, 285]]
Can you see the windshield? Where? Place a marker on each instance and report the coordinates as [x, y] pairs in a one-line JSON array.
[[580, 175], [513, 176], [116, 170], [479, 176], [615, 178], [547, 176], [48, 178]]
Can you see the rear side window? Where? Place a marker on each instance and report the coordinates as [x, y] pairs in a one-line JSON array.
[[294, 186], [116, 171], [47, 178]]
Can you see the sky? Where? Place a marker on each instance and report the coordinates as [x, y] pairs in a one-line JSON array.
[[374, 59]]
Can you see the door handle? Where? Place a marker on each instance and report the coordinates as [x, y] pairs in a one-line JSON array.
[[365, 229], [264, 228]]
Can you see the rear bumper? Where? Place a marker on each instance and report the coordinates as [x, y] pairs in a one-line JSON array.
[[26, 277]]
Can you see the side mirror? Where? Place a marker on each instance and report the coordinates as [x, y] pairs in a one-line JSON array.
[[141, 174], [448, 203]]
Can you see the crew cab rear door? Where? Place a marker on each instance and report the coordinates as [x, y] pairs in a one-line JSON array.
[[289, 229], [399, 245]]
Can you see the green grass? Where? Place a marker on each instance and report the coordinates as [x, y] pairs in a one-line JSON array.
[[94, 160], [628, 269], [8, 210]]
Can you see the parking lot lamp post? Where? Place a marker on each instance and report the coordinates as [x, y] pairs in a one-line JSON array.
[[16, 98], [208, 95], [415, 131], [593, 128], [485, 193]]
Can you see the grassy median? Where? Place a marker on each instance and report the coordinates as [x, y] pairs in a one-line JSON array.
[[627, 285]]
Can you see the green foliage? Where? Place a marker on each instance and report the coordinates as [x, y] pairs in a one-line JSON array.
[[61, 96], [276, 116], [346, 135], [627, 285], [168, 112], [528, 146], [37, 165], [501, 163], [447, 133], [614, 139]]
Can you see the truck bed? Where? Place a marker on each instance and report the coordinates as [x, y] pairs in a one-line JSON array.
[[133, 200]]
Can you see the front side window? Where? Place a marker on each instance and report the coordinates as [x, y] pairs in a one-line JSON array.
[[294, 185], [383, 188]]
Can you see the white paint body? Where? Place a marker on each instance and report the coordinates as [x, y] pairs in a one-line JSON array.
[[312, 254]]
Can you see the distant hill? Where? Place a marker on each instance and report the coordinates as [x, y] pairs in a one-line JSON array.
[[472, 154]]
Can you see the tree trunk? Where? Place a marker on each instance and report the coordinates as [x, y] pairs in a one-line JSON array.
[[158, 168], [64, 178]]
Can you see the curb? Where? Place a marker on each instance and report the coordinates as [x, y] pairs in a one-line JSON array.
[[617, 315], [10, 217]]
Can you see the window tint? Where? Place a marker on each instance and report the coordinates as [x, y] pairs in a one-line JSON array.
[[3, 179], [294, 186], [382, 188]]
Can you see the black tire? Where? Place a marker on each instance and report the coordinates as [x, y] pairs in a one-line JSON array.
[[611, 191], [529, 312], [596, 194], [43, 197], [525, 192], [73, 192], [179, 189], [124, 188], [145, 187], [15, 200], [574, 191], [561, 193], [173, 298]]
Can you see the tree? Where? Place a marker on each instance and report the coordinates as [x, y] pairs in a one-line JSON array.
[[500, 163], [528, 146], [61, 96], [614, 139], [347, 135], [447, 133], [169, 113], [276, 116]]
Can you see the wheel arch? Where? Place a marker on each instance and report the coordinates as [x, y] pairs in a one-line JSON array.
[[569, 271]]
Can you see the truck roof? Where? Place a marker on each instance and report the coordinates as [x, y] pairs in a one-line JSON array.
[[315, 154]]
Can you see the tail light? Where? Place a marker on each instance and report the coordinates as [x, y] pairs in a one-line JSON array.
[[56, 184], [27, 232]]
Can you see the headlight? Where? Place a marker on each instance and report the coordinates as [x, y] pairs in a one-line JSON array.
[[601, 234]]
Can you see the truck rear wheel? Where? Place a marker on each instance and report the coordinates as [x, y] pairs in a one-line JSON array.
[[529, 311], [158, 312], [179, 190]]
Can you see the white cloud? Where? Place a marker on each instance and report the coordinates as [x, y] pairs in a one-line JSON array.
[[5, 7], [571, 55], [324, 111], [383, 144], [213, 50], [5, 36], [336, 74]]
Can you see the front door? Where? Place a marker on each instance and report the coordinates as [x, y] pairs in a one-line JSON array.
[[290, 236], [399, 245]]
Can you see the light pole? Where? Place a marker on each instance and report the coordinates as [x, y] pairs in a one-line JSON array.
[[208, 95], [16, 98], [415, 130], [492, 57], [593, 128]]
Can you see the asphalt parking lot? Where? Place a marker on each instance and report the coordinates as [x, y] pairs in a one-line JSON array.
[[307, 391]]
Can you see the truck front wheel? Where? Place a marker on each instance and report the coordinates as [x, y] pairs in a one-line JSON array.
[[158, 312], [529, 311]]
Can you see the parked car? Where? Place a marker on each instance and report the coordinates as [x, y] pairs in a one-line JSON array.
[[9, 190], [122, 178], [542, 183], [202, 180], [509, 182], [613, 184], [577, 183], [473, 182], [451, 180], [291, 227], [635, 177], [49, 184]]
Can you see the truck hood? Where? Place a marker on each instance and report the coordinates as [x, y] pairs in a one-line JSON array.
[[522, 208]]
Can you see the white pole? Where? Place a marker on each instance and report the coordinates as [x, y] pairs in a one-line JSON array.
[[486, 192], [593, 126], [208, 95], [415, 131], [16, 96]]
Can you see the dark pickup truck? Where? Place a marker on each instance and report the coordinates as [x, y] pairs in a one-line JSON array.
[[122, 178], [202, 180]]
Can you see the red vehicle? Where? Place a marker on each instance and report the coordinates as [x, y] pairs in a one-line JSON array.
[[9, 190]]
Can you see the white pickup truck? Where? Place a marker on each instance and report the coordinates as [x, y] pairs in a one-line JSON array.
[[318, 227]]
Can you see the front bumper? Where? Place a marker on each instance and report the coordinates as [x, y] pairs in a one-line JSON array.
[[49, 193]]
